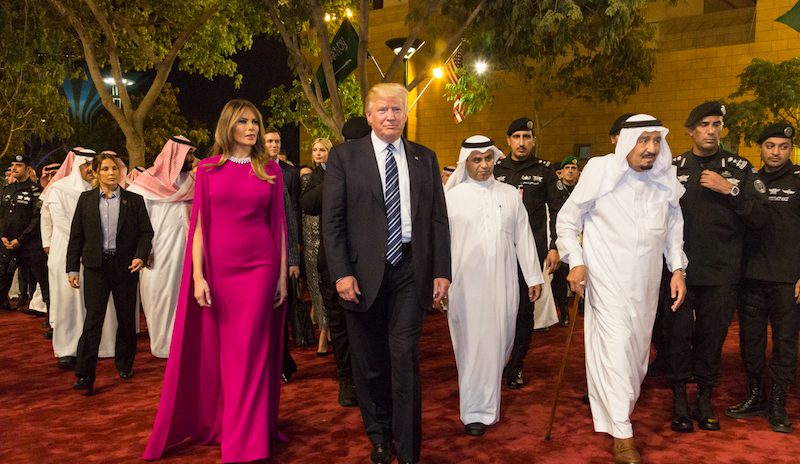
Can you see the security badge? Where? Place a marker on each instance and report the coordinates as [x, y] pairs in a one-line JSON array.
[[531, 180], [760, 187]]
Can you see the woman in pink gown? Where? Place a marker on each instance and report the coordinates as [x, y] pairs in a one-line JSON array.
[[222, 381]]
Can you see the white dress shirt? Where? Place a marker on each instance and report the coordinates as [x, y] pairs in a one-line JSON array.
[[379, 147]]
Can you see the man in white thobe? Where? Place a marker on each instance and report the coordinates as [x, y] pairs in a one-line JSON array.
[[168, 189], [627, 206], [67, 311], [489, 232]]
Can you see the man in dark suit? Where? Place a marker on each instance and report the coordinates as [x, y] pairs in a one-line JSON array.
[[111, 233], [387, 242]]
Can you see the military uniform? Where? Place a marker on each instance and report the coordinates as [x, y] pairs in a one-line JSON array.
[[714, 227], [771, 272], [19, 219], [539, 186]]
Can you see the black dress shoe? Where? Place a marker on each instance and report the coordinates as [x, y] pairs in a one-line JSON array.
[[585, 398], [347, 395], [682, 425], [515, 381], [125, 375], [48, 334], [476, 429], [381, 453], [66, 362], [708, 423], [84, 383]]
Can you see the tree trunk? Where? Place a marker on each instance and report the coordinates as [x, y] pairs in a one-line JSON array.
[[134, 144]]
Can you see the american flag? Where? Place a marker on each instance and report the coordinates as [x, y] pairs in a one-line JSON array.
[[451, 72]]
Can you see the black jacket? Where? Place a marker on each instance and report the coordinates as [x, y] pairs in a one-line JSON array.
[[771, 252], [715, 224], [20, 212], [134, 231]]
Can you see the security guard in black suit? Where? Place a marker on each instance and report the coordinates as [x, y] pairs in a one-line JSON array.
[[19, 228], [538, 184], [724, 196], [771, 293]]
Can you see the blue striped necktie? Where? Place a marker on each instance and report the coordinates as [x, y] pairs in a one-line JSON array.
[[392, 200]]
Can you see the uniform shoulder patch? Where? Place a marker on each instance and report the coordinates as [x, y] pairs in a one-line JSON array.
[[545, 162]]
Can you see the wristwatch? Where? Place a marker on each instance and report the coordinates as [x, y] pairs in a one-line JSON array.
[[734, 190], [680, 269]]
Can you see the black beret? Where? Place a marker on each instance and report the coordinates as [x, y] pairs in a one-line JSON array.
[[782, 130], [23, 158], [712, 108], [355, 128], [617, 126], [521, 124]]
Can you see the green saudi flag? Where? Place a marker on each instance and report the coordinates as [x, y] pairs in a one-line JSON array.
[[791, 18]]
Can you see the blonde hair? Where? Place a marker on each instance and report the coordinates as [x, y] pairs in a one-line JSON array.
[[324, 141], [386, 90], [97, 161], [223, 137]]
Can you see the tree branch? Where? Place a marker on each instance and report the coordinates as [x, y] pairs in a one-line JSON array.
[[91, 61], [413, 34], [363, 45], [452, 42], [164, 68], [137, 39], [300, 65], [113, 56], [337, 113]]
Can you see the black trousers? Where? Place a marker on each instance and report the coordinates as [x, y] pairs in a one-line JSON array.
[[769, 303], [384, 344], [114, 278], [524, 330], [35, 260], [559, 286], [337, 325], [696, 331]]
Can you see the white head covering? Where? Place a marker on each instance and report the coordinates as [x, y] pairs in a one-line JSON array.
[[68, 177], [614, 166], [479, 143]]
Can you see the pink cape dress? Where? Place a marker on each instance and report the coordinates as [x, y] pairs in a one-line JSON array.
[[222, 381]]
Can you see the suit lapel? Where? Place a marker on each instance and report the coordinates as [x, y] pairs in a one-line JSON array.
[[123, 209], [414, 176], [94, 210], [372, 173]]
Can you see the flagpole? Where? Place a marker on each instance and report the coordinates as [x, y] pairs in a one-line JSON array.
[[419, 95]]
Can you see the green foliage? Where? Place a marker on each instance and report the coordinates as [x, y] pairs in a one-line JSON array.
[[32, 69], [291, 107], [768, 92], [586, 49], [165, 121], [474, 90]]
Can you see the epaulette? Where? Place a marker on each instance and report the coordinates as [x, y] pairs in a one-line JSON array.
[[545, 162], [740, 163]]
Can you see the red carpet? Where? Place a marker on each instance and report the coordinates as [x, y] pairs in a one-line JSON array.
[[42, 420]]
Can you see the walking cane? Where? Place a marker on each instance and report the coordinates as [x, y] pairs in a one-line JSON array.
[[573, 316]]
